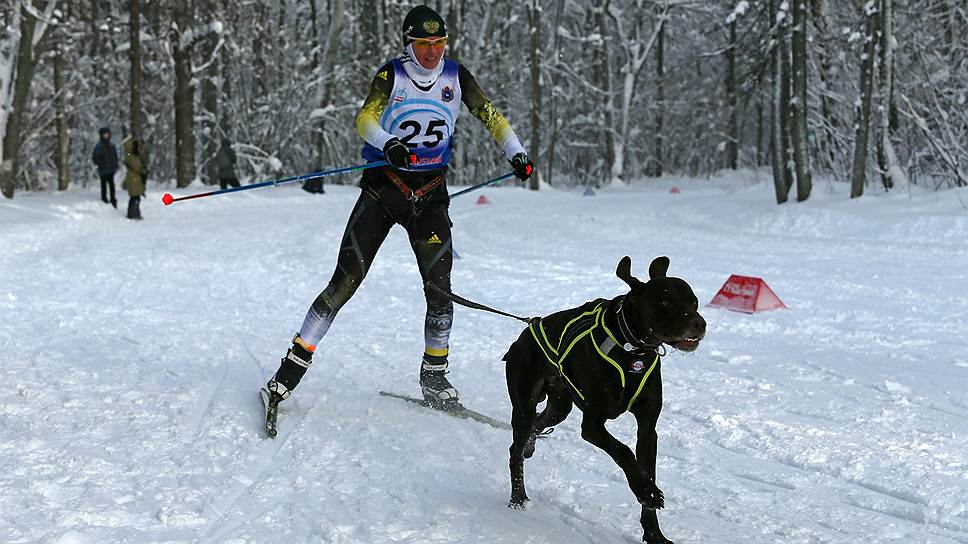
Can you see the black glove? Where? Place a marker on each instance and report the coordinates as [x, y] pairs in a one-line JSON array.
[[397, 154], [523, 167]]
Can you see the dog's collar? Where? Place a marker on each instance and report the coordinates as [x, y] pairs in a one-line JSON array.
[[634, 343]]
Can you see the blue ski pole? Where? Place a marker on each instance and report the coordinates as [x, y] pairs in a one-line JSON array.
[[168, 199], [480, 185]]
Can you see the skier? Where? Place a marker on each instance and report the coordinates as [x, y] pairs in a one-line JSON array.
[[105, 157], [408, 120]]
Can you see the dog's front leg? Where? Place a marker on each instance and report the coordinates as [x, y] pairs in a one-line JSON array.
[[646, 417], [593, 431]]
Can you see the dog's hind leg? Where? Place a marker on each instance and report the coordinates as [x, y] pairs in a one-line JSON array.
[[558, 407], [524, 387], [593, 431]]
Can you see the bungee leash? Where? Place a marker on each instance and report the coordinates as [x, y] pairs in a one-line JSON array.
[[474, 305]]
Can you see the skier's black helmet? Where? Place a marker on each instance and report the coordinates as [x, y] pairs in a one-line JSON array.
[[422, 22]]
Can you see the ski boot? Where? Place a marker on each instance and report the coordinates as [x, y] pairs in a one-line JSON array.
[[437, 390], [291, 369]]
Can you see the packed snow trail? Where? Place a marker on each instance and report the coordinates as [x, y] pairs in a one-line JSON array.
[[132, 353]]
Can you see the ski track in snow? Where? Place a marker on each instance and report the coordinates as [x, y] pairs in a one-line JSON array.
[[133, 353]]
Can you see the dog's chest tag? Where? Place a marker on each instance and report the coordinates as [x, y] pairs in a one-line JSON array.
[[628, 347], [637, 367]]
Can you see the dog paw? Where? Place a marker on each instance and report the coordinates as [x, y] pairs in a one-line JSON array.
[[656, 539], [519, 503]]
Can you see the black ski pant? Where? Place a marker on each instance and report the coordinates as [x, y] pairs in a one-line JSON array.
[[225, 183], [107, 182], [379, 207]]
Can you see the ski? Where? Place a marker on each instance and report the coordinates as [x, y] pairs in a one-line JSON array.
[[271, 412], [457, 411]]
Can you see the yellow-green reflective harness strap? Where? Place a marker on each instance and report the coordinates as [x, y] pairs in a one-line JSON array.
[[557, 365], [603, 354], [642, 383]]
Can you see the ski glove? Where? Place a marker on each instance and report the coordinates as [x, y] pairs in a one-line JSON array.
[[397, 154], [523, 167]]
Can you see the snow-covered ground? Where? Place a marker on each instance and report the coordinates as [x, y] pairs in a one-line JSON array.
[[130, 356]]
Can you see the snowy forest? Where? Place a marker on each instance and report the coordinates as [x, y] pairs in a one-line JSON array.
[[870, 92]]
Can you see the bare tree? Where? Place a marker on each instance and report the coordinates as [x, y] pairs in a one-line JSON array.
[[780, 106], [135, 113], [732, 145], [859, 169], [534, 28], [801, 155], [34, 26], [62, 149], [892, 173]]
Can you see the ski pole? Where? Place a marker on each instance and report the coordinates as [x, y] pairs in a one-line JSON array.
[[480, 185], [168, 199]]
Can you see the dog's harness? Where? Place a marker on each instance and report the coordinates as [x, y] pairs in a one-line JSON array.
[[633, 366]]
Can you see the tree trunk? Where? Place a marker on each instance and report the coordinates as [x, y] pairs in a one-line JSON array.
[[658, 166], [801, 153], [62, 150], [135, 113], [370, 32], [184, 99], [534, 23], [24, 74], [210, 114], [555, 78], [732, 145], [779, 106], [329, 59], [606, 84], [892, 172], [863, 114], [260, 84]]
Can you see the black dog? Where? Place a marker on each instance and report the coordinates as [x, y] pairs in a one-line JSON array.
[[603, 357]]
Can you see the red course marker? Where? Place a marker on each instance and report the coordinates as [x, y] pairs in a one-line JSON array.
[[167, 199]]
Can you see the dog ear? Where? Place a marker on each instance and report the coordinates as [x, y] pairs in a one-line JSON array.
[[659, 267], [624, 272]]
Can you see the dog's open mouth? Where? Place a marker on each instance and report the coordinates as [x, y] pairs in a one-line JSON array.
[[687, 344]]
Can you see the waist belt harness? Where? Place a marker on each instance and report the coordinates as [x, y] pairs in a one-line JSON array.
[[586, 332]]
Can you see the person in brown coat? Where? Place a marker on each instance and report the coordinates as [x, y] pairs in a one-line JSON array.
[[136, 176]]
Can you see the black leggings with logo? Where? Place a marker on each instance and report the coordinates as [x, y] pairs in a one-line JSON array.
[[380, 206]]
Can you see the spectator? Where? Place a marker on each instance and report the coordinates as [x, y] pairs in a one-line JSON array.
[[136, 177], [106, 158], [225, 161]]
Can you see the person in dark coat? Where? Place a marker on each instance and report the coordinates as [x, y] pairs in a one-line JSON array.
[[225, 162], [136, 176], [105, 156]]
